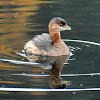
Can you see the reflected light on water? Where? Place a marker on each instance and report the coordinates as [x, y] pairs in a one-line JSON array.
[[20, 20], [14, 20], [10, 82]]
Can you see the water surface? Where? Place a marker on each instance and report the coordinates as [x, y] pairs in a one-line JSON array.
[[21, 20]]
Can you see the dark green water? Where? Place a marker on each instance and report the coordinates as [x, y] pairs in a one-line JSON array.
[[21, 20]]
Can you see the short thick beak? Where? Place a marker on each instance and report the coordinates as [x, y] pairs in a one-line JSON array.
[[66, 27]]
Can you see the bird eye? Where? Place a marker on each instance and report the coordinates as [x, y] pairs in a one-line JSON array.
[[61, 25]]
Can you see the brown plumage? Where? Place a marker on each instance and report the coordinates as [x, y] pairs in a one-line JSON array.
[[49, 44]]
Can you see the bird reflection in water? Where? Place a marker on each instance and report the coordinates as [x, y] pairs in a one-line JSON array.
[[55, 64]]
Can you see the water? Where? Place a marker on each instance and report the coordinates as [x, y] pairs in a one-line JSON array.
[[20, 21]]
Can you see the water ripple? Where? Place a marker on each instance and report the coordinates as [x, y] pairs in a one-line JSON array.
[[19, 62], [37, 89], [94, 43], [43, 75]]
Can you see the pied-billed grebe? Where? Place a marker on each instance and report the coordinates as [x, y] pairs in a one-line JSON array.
[[49, 44]]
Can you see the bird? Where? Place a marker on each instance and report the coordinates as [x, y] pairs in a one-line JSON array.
[[49, 44]]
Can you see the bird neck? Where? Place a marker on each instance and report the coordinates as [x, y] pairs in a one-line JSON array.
[[55, 35]]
